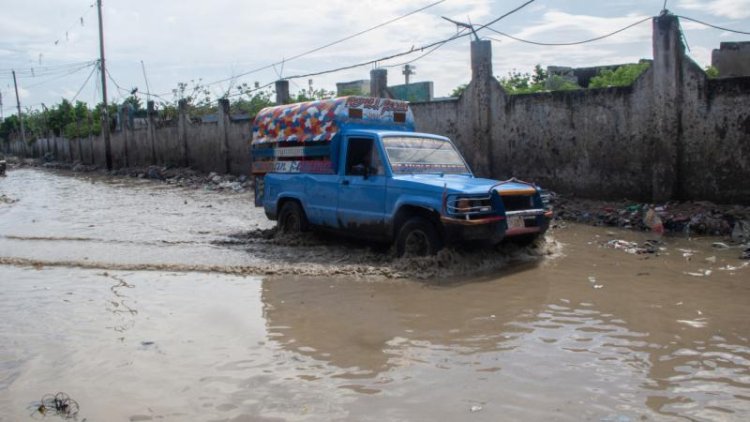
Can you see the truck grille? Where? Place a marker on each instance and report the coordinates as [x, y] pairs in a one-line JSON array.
[[518, 202]]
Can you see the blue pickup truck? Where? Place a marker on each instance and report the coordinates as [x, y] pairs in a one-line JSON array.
[[355, 165]]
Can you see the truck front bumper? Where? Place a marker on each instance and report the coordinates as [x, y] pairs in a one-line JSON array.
[[496, 228], [458, 230]]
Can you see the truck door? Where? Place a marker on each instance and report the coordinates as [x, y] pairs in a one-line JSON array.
[[361, 196]]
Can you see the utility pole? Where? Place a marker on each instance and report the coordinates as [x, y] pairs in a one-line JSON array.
[[18, 102], [105, 112], [408, 71], [148, 90], [1, 107]]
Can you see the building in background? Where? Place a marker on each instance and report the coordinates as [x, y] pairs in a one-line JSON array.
[[732, 59]]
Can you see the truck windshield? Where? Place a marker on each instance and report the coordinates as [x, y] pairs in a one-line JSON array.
[[423, 155]]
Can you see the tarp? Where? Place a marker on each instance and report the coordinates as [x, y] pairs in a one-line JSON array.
[[322, 120]]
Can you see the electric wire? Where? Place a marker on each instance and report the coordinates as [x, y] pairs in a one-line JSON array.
[[422, 56], [330, 44], [84, 84], [713, 26], [569, 43], [392, 56], [72, 72], [27, 72], [79, 20]]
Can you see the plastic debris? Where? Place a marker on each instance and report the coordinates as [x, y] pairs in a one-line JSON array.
[[699, 273], [648, 247], [653, 221], [720, 245], [475, 408], [741, 231], [61, 404]]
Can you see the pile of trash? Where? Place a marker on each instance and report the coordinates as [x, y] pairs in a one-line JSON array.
[[647, 247], [693, 217], [186, 177], [178, 176]]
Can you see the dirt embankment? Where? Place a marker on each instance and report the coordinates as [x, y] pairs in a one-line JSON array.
[[689, 218], [178, 176]]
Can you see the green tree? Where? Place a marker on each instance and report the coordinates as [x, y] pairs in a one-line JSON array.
[[459, 90], [251, 100], [9, 127], [712, 72], [133, 101], [59, 117], [622, 76], [312, 95]]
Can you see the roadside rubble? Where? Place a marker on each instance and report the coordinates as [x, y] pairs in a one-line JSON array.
[[4, 199], [178, 176], [692, 217]]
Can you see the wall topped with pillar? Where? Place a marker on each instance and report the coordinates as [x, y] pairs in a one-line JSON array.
[[673, 134]]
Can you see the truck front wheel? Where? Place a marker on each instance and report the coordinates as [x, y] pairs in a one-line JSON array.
[[292, 218], [418, 237]]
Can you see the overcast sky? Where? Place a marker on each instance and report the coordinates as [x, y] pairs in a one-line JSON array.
[[184, 40]]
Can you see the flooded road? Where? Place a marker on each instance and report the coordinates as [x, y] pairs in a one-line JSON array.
[[147, 302]]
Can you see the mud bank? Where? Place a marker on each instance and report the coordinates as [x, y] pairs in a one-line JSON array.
[[688, 218]]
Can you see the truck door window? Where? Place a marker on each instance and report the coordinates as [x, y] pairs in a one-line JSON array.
[[362, 158]]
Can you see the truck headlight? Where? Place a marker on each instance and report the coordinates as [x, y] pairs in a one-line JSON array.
[[470, 205]]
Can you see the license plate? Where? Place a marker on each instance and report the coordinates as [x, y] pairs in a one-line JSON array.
[[516, 222]]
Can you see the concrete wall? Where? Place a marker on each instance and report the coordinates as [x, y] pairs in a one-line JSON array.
[[732, 59], [673, 134], [206, 147]]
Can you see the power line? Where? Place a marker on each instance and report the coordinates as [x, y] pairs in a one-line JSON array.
[[375, 61], [504, 16], [713, 26], [314, 50], [573, 42], [428, 46], [79, 20], [35, 72], [71, 72], [423, 55], [84, 84]]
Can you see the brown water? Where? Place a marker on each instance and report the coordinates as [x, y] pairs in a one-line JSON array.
[[571, 330]]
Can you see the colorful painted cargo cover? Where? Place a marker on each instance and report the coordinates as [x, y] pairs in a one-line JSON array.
[[296, 138]]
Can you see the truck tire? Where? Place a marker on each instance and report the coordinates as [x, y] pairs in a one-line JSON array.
[[292, 218], [418, 237]]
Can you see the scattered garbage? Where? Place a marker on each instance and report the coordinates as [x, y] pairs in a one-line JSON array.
[[59, 404], [692, 217], [4, 199], [741, 231], [648, 247], [592, 280], [653, 221], [699, 273], [733, 268], [475, 408]]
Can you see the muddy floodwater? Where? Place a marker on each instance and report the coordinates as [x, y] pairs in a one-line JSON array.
[[143, 301]]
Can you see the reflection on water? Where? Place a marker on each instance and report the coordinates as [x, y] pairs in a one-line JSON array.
[[644, 340]]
